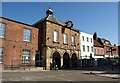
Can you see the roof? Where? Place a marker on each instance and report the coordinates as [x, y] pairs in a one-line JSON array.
[[96, 43], [75, 29], [50, 18], [105, 40], [16, 21]]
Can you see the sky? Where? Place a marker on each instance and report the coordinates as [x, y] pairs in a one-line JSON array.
[[90, 17]]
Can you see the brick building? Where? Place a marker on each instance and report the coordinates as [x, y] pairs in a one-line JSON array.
[[104, 50], [98, 50], [18, 43], [59, 42]]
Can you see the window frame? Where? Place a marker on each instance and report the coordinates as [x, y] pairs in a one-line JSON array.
[[91, 48], [30, 36], [4, 33], [1, 54], [88, 48], [91, 40], [57, 36], [65, 38], [73, 39], [87, 39], [99, 51], [83, 46], [94, 50], [24, 60], [83, 39]]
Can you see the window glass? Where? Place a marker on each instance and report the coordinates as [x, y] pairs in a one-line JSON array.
[[87, 39], [2, 30], [84, 48], [1, 55], [91, 40], [91, 49], [26, 56], [27, 35], [94, 50], [65, 38], [83, 38], [88, 48], [56, 36], [73, 40], [98, 50]]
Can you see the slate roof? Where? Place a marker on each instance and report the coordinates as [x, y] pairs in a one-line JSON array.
[[105, 40], [96, 43], [50, 18]]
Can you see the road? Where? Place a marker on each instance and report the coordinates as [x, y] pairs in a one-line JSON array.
[[61, 75]]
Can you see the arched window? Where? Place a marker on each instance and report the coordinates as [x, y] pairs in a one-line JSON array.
[[2, 30]]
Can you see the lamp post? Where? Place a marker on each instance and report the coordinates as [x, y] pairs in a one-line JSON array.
[[81, 60], [85, 60], [91, 64]]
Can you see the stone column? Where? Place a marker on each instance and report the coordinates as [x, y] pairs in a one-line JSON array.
[[47, 63], [48, 59], [61, 62]]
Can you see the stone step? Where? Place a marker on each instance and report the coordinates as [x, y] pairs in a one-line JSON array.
[[35, 68]]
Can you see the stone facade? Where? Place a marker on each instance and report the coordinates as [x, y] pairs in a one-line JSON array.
[[49, 46], [50, 50]]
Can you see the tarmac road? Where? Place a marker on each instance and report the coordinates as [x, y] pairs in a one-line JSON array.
[[61, 75]]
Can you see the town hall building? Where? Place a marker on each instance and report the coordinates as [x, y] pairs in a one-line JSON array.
[[58, 42]]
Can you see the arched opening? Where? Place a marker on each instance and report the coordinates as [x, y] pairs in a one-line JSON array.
[[66, 60], [56, 58], [74, 60]]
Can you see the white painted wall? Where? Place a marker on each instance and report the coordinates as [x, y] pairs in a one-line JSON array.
[[89, 43]]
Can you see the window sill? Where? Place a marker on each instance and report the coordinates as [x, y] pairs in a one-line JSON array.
[[56, 42], [27, 41], [65, 44], [2, 37], [73, 45], [25, 62]]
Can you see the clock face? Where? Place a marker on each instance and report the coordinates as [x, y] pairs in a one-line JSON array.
[[69, 24]]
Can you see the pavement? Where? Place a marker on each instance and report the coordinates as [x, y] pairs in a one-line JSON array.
[[104, 71], [71, 76], [111, 74], [25, 70], [98, 71]]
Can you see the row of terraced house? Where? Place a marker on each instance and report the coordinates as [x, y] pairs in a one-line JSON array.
[[50, 40]]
